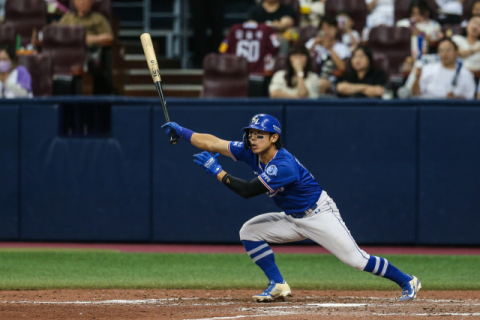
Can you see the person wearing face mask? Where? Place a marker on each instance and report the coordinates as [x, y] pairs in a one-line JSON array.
[[15, 80]]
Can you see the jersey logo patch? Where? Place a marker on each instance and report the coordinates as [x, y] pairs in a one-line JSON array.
[[272, 170]]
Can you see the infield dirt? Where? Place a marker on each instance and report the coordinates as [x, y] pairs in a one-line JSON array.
[[234, 304]]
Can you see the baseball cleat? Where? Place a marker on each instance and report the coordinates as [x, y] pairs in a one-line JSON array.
[[274, 291], [410, 289]]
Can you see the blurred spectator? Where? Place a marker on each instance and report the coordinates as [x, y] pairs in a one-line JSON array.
[[406, 90], [206, 14], [96, 25], [362, 79], [328, 52], [469, 45], [380, 12], [450, 11], [2, 9], [478, 91], [15, 80], [99, 33], [349, 36], [258, 44], [312, 11], [420, 23], [475, 12], [298, 81], [275, 14], [445, 79]]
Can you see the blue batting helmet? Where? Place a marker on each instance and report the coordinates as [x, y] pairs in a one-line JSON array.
[[264, 122]]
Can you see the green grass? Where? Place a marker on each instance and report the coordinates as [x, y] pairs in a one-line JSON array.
[[55, 269]]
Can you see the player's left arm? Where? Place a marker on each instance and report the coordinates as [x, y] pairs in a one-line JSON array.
[[246, 189]]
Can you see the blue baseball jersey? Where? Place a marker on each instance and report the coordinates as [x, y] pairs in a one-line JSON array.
[[292, 187]]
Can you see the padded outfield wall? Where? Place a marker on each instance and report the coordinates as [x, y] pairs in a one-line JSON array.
[[401, 172]]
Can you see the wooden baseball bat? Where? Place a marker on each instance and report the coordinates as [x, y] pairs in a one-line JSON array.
[[153, 66]]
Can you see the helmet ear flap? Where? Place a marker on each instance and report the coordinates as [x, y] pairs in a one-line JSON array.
[[246, 142]]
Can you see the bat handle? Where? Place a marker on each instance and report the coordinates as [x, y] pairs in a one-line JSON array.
[[173, 138]]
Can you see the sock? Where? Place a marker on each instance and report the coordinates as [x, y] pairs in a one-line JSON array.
[[262, 255], [381, 267]]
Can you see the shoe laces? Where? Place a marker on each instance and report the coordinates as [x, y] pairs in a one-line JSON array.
[[407, 289], [270, 287]]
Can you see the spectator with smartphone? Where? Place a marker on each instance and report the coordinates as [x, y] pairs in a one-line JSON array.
[[329, 53], [446, 79], [420, 24], [350, 37]]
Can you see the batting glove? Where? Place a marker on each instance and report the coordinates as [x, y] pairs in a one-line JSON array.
[[209, 162], [172, 126], [178, 130]]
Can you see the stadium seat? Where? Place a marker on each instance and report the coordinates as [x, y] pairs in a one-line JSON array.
[[7, 34], [381, 62], [467, 9], [355, 8], [306, 33], [26, 16], [40, 68], [66, 46], [394, 42], [225, 75]]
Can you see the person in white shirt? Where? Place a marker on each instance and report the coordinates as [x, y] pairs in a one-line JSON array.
[[446, 79], [350, 37], [450, 11], [329, 53], [380, 12], [298, 81], [420, 23], [475, 12], [469, 45]]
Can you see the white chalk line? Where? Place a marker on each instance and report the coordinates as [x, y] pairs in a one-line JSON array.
[[428, 314], [146, 301]]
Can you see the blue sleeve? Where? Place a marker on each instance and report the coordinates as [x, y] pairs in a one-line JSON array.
[[237, 151], [278, 175]]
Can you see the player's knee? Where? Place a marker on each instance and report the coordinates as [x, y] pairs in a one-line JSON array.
[[358, 262], [247, 232]]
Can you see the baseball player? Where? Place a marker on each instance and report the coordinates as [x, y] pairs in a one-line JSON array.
[[307, 210]]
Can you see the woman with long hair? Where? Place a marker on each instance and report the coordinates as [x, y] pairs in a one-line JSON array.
[[298, 80], [362, 79], [469, 44]]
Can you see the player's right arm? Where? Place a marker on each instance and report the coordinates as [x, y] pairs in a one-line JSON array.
[[202, 141], [210, 143]]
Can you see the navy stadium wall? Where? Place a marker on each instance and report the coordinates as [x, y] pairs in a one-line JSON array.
[[401, 172]]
